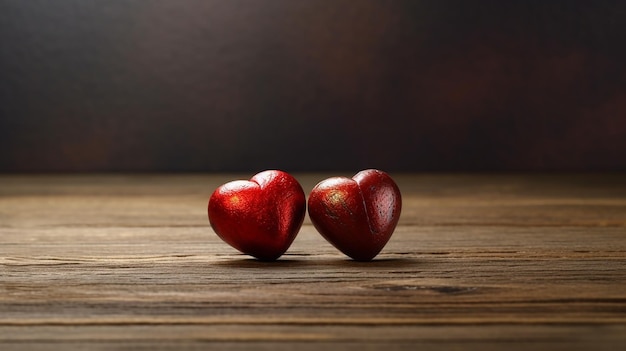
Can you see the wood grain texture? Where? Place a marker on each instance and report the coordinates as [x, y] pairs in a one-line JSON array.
[[478, 262]]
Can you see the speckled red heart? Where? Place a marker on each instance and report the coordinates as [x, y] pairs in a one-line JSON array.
[[356, 215], [261, 216]]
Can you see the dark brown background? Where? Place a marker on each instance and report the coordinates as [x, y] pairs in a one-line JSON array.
[[312, 85]]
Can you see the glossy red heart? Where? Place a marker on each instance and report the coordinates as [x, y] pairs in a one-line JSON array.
[[260, 217], [356, 215]]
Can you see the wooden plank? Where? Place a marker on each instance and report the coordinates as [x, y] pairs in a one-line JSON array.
[[478, 261], [429, 337]]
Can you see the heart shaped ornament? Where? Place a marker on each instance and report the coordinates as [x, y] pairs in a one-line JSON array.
[[261, 216], [356, 215]]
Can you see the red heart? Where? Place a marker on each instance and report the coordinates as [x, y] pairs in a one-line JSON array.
[[356, 215], [260, 217]]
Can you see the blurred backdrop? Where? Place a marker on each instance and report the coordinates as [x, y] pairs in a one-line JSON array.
[[305, 85]]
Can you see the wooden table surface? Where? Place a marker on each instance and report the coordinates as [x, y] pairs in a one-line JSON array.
[[478, 262]]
